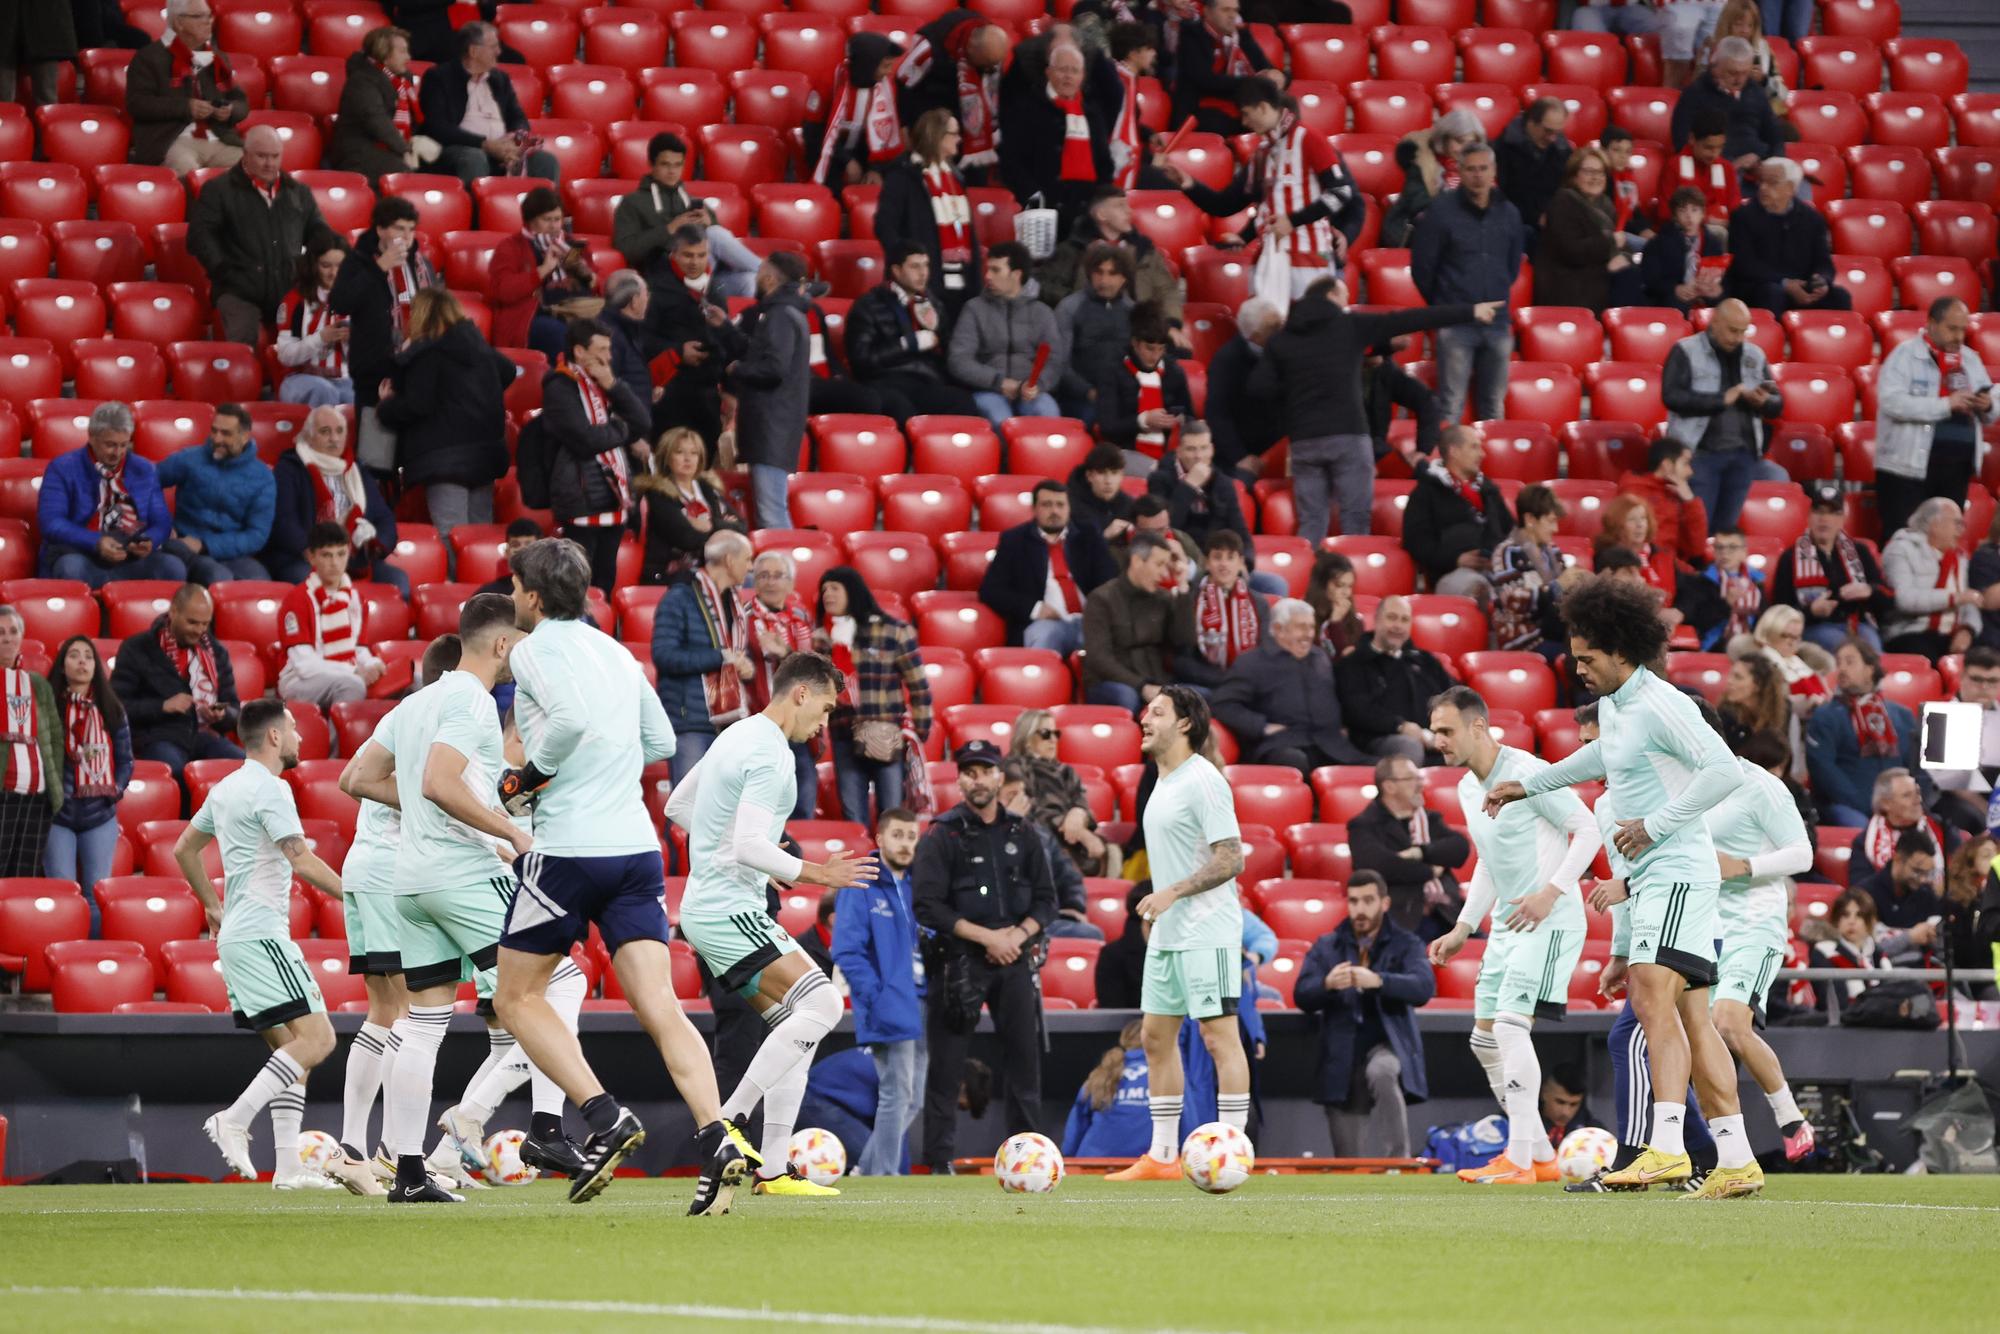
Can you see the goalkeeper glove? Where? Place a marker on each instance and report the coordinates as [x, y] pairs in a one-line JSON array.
[[520, 788]]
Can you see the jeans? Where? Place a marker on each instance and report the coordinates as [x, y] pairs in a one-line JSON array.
[[855, 773], [1830, 635], [1326, 468], [1270, 585], [895, 1108], [316, 391], [86, 567], [1068, 928], [689, 747], [998, 409], [1847, 817], [205, 569], [471, 164], [83, 856], [451, 505], [1626, 20], [1064, 636], [1473, 356], [808, 781], [205, 746], [1721, 482], [1789, 19], [1687, 25], [771, 486], [1114, 693], [736, 264], [382, 572]]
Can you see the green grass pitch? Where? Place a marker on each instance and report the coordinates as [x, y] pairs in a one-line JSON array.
[[1283, 1253]]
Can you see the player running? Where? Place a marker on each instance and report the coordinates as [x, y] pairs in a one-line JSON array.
[[733, 805], [1531, 857], [1194, 952], [252, 815], [1658, 756]]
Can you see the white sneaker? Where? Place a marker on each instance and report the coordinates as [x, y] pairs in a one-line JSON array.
[[454, 1175], [305, 1181], [470, 1136], [234, 1141], [356, 1176]]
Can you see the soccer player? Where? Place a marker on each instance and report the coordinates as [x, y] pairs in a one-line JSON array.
[[1531, 857], [734, 804], [252, 815], [1658, 757], [1194, 953], [589, 723]]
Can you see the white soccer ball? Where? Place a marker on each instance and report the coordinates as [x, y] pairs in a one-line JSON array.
[[1585, 1152], [1028, 1164], [317, 1150], [503, 1157], [819, 1155], [1217, 1158]]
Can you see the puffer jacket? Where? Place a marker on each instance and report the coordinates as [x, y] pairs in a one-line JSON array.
[[449, 411], [995, 339], [1910, 566], [577, 485], [227, 503]]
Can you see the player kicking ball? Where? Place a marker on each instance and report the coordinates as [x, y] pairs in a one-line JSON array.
[[1531, 857], [1194, 951], [252, 815], [733, 805]]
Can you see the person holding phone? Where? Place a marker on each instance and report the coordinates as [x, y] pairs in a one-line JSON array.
[[1780, 255], [1935, 398]]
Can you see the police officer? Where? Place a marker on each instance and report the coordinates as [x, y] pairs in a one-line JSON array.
[[982, 884]]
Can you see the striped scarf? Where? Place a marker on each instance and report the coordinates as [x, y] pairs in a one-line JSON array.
[[88, 746], [617, 472], [331, 620], [194, 665], [303, 317], [952, 213], [23, 734], [405, 114], [1744, 597], [117, 513], [1225, 621], [1879, 841], [791, 624], [728, 628]]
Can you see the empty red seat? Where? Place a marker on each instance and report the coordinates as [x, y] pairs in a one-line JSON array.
[[808, 44], [441, 202], [34, 919], [957, 620], [95, 976], [52, 610], [1977, 118], [1321, 106], [902, 563], [1408, 50], [545, 35], [1332, 53], [1544, 391], [743, 155], [43, 192], [1886, 172], [966, 556], [1519, 681], [1829, 117], [779, 98], [1876, 20], [1071, 972], [803, 213], [1868, 227], [1096, 734], [310, 84], [1496, 55], [599, 94], [1837, 338], [98, 252], [1389, 106], [1840, 64], [684, 94], [120, 368], [1381, 566], [1644, 333], [1270, 794], [857, 443], [1522, 451], [337, 28], [933, 504], [1922, 279], [24, 247], [1916, 120], [625, 37], [1803, 450], [1024, 678], [1774, 509], [157, 312], [1220, 276], [216, 372], [1045, 446], [1647, 112], [1568, 334], [1866, 279], [1952, 229], [82, 135], [1816, 393], [62, 311], [836, 502], [1447, 625], [1206, 157], [1596, 60]]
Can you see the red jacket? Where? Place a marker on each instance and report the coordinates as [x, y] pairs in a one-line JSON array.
[[514, 290], [1680, 526]]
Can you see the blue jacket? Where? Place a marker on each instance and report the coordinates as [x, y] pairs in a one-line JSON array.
[[1122, 1130], [1407, 983], [875, 944], [228, 504], [84, 813], [1841, 774], [683, 653], [1460, 255], [847, 1080], [69, 501]]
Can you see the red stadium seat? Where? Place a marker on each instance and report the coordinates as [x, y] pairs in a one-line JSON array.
[[933, 504], [1868, 227], [1026, 678], [1595, 60], [62, 311], [1588, 114], [1522, 451], [1330, 53], [1371, 160], [836, 502], [1866, 279], [1206, 157], [599, 94], [1344, 791], [1071, 971], [1836, 338], [45, 913], [98, 252], [850, 268], [1300, 909], [1446, 625], [133, 605], [142, 196], [1568, 334], [1543, 391], [1321, 106], [626, 38], [82, 135], [1977, 117], [18, 550], [1829, 118], [1168, 219], [169, 424], [1927, 65], [807, 214], [1644, 333], [1803, 450], [685, 94], [499, 200], [310, 84], [337, 29], [1411, 50], [803, 43], [856, 443], [902, 563], [1969, 173], [1910, 681], [94, 976], [120, 368], [216, 372], [1914, 120], [578, 149], [1951, 229], [1096, 734], [193, 974], [966, 556], [982, 722], [1840, 64], [1647, 112], [1389, 106], [265, 31], [1045, 446], [1519, 681], [354, 722], [437, 607], [29, 369], [545, 35], [1386, 275], [43, 192], [778, 98], [52, 610], [24, 245], [441, 201], [743, 155], [1495, 55], [1218, 276], [157, 312], [1281, 973], [248, 609], [957, 620], [1270, 794], [345, 198], [1820, 394], [1381, 566], [297, 130], [1289, 558], [149, 910], [961, 447], [1888, 172], [1776, 510]]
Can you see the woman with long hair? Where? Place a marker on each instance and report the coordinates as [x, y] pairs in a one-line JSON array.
[[312, 340], [1753, 700], [885, 711], [1629, 523], [447, 405], [1852, 943], [1330, 591], [1056, 795], [682, 504], [1110, 1118], [97, 767], [1972, 914], [923, 201], [540, 278]]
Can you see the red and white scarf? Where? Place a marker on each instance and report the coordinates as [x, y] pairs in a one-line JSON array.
[[859, 112], [1880, 837], [1808, 573], [405, 114], [305, 317], [1059, 574], [923, 318], [1230, 61], [728, 628], [1127, 135], [184, 69], [325, 620], [952, 212], [1468, 491], [194, 665], [1625, 194], [1286, 175], [1225, 622], [978, 90], [1152, 398], [791, 624], [1951, 369], [338, 494], [816, 342], [1078, 163], [841, 634], [1717, 183], [617, 470], [1950, 582], [88, 746], [1435, 894], [1873, 730], [23, 735], [117, 513], [559, 284], [696, 284], [1744, 597], [1447, 174]]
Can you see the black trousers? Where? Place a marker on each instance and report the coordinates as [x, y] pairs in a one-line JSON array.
[[693, 403], [905, 396], [1896, 498], [1015, 1003], [24, 832], [601, 546], [828, 394]]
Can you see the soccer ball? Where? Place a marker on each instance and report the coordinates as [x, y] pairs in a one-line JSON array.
[[1028, 1164], [1217, 1158], [819, 1156], [1585, 1153], [317, 1150], [503, 1157]]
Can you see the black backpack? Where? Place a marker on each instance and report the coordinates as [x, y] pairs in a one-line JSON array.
[[534, 460]]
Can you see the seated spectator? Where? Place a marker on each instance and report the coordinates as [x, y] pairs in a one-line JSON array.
[[224, 499], [896, 341], [1456, 518], [312, 340], [1971, 900], [1386, 687], [29, 795], [1128, 626], [1834, 579], [1107, 221], [1043, 571], [1213, 55], [1779, 255], [1718, 392], [1202, 501], [1365, 980], [1679, 517], [1621, 562], [1150, 515], [1962, 794], [177, 686], [1746, 19], [999, 338], [875, 940], [1583, 253], [1055, 795], [1631, 208], [1142, 400], [878, 728], [1754, 699], [1467, 248], [1982, 573], [1935, 399], [860, 134], [1806, 668], [644, 224], [1528, 576], [1278, 698], [318, 481], [1703, 165], [248, 229], [521, 534], [321, 630], [1054, 142], [1330, 593], [923, 201], [1727, 86], [470, 108], [1907, 902], [447, 404], [1671, 272], [592, 421], [1855, 736], [1241, 423], [1072, 919], [1097, 494], [1111, 1117], [373, 292], [1121, 964], [1532, 156], [96, 769], [1226, 617], [101, 513], [1854, 944], [687, 315], [1386, 386], [683, 505], [1429, 159], [1096, 324], [779, 626], [1934, 612], [182, 97], [540, 277], [1562, 1104], [1737, 584], [1411, 848], [1898, 826], [701, 649], [772, 382], [375, 132]]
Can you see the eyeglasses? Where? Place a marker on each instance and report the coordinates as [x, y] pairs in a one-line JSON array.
[[1047, 734]]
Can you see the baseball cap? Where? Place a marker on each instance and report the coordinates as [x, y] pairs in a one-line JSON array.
[[1826, 496], [977, 752]]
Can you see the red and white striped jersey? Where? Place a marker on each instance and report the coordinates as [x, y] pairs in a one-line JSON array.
[[325, 620], [1289, 171]]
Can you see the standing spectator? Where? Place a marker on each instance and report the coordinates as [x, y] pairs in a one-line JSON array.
[[1111, 1117], [1043, 571], [1107, 221], [322, 631], [1466, 249], [1429, 159], [644, 224], [875, 943], [177, 686], [1727, 86], [1128, 627], [1531, 156], [376, 130], [1834, 579], [1121, 964], [592, 421], [319, 481], [685, 313], [470, 108], [816, 940], [447, 406], [1779, 255], [1056, 795], [1365, 980], [1582, 257], [1963, 793], [1456, 518], [923, 201], [312, 340], [1896, 813], [1054, 144], [954, 66], [1935, 397], [772, 386], [1330, 592], [1671, 272], [1527, 576], [1739, 587], [1243, 424], [1856, 736], [1096, 325], [885, 712], [40, 39], [1225, 617], [1142, 402], [1718, 392], [1614, 16], [373, 292], [779, 626], [701, 649], [1411, 848], [896, 341], [1134, 54], [249, 228], [539, 277], [1934, 612], [1679, 515], [1097, 495], [1386, 687], [101, 513], [1278, 698], [31, 792], [999, 337], [224, 499], [634, 345], [861, 133], [96, 768], [829, 388], [1213, 56], [1792, 18], [182, 96], [683, 504], [522, 533]]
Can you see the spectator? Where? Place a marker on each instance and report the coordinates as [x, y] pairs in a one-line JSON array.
[[34, 751], [224, 497], [1456, 518], [1739, 587], [1854, 737], [683, 504], [1313, 368], [1753, 700], [1671, 271], [470, 108], [1241, 423], [829, 388], [1278, 698], [1411, 848], [1202, 502], [1854, 945], [896, 341], [177, 687], [1963, 793], [701, 642], [860, 135], [1107, 221], [1330, 593], [771, 384], [999, 338], [1386, 386], [248, 230], [1212, 57], [1043, 571], [1056, 796], [1096, 325], [685, 312], [1386, 687], [1805, 666], [1532, 156], [1226, 617], [1614, 16], [447, 405], [954, 66], [1679, 515], [1727, 86], [1982, 572], [1365, 980], [1897, 827], [182, 97], [1142, 399], [1792, 18], [1097, 495], [1562, 1104], [1466, 249], [40, 40], [96, 769], [1629, 531], [875, 942], [1128, 627], [1934, 612], [318, 481], [1723, 427], [101, 23], [373, 292], [521, 534], [1745, 19], [1582, 258], [1971, 897], [1907, 900], [1072, 919], [102, 516], [1703, 165], [312, 340], [1121, 964], [1935, 398], [1527, 574], [644, 225], [592, 421], [540, 277], [634, 345], [1054, 145], [321, 629], [1779, 258], [1134, 54], [779, 626], [375, 132], [885, 714], [1110, 1117], [1628, 204], [1834, 579], [1429, 159], [923, 201]]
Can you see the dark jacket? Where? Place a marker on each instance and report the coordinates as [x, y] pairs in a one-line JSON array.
[[875, 944], [1118, 402], [1313, 366], [429, 24], [1765, 248], [145, 680], [1199, 512], [67, 504], [1189, 663], [1460, 253], [1376, 838], [1576, 242], [1440, 524], [1386, 386], [577, 484], [1127, 635], [939, 86], [1407, 984], [1422, 175], [771, 381], [1529, 176], [445, 92], [633, 347], [1752, 126], [1268, 685], [674, 315], [1663, 263], [1121, 968], [448, 411], [1895, 909], [674, 545], [251, 249], [292, 517], [158, 108], [1031, 144], [684, 651], [1019, 572], [365, 137], [1380, 693], [991, 875], [639, 223], [83, 813], [361, 292], [882, 338], [1242, 424], [1098, 335], [1086, 508], [1194, 63], [903, 213]]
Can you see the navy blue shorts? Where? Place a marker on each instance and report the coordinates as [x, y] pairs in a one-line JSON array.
[[559, 897]]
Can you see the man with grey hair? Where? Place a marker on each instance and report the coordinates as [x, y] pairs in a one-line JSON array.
[[1387, 685], [102, 514], [1532, 157], [701, 649], [1242, 424], [470, 108], [1896, 810], [1726, 87], [1934, 398], [182, 96], [1935, 611], [31, 760], [633, 342], [1279, 701], [249, 227], [779, 626], [1780, 257]]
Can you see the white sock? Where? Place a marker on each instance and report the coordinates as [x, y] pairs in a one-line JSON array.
[[1233, 1109], [1732, 1145], [808, 1013], [1486, 1050], [288, 1113], [1522, 1088], [781, 1117], [489, 1085], [1784, 1106], [1668, 1119], [390, 1051], [280, 1072], [407, 1105], [1166, 1128], [364, 1080], [565, 995]]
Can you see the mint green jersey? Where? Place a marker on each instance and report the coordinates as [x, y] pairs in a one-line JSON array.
[[378, 829], [1525, 848], [438, 852], [249, 813], [1761, 825], [1192, 809], [750, 765]]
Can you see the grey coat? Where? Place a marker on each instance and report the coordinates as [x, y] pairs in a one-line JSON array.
[[771, 383], [995, 340]]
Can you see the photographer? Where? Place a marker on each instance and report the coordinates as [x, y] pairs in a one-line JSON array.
[[982, 885]]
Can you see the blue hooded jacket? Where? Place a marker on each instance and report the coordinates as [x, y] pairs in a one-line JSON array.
[[1122, 1130], [228, 503], [875, 944]]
